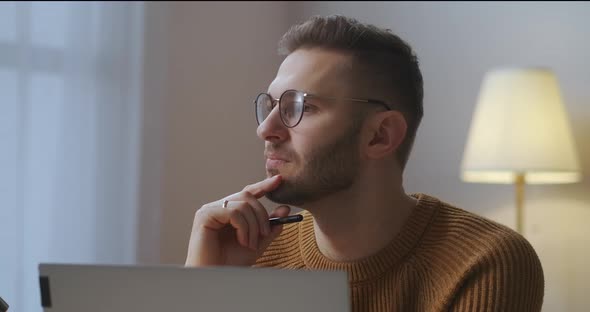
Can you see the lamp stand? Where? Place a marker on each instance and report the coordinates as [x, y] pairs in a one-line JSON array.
[[519, 188]]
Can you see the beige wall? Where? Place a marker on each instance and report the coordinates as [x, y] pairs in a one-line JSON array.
[[220, 54], [205, 63]]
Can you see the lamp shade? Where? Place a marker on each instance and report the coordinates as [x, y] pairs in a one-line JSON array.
[[520, 126]]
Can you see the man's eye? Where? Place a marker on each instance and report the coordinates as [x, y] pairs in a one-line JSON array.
[[287, 112], [307, 108]]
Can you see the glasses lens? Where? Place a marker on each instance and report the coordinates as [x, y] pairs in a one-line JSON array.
[[263, 107], [291, 105]]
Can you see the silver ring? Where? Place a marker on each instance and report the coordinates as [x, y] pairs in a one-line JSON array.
[[225, 203]]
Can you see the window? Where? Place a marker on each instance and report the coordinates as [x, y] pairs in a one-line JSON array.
[[69, 138]]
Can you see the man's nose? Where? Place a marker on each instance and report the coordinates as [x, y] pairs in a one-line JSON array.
[[272, 128]]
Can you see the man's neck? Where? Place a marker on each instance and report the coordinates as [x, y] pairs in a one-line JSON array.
[[358, 223]]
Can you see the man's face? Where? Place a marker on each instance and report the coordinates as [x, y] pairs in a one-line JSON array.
[[320, 156]]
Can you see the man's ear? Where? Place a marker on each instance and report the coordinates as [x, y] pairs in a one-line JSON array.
[[386, 133]]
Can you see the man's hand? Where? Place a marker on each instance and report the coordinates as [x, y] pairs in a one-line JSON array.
[[237, 234]]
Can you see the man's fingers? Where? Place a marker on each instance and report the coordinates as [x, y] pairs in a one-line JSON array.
[[251, 194], [253, 230], [244, 213], [275, 231], [238, 221], [261, 188], [260, 212]]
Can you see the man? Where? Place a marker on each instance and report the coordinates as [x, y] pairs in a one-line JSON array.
[[338, 123]]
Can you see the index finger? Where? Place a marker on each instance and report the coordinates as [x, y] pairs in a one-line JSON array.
[[259, 189]]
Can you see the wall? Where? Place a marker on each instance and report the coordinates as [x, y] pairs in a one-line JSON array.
[[457, 43], [204, 64], [209, 59]]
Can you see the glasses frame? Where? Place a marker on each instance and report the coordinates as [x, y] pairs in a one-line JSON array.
[[309, 96]]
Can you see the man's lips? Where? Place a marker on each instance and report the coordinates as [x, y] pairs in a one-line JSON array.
[[274, 161]]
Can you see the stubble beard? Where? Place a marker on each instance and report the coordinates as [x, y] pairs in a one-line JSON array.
[[329, 169]]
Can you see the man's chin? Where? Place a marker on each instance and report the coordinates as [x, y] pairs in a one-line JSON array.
[[288, 202], [282, 195]]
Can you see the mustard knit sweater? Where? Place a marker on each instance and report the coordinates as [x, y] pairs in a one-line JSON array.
[[444, 259]]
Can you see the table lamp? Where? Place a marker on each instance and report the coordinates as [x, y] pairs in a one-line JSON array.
[[520, 134]]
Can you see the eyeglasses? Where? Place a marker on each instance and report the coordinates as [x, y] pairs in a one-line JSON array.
[[292, 105]]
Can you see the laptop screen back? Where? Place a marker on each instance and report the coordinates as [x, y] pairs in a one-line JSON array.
[[109, 288]]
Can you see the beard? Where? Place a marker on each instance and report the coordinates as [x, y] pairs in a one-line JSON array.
[[328, 169]]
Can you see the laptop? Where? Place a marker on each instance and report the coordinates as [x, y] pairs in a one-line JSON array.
[[118, 288]]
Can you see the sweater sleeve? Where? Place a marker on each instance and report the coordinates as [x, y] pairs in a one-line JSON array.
[[508, 278]]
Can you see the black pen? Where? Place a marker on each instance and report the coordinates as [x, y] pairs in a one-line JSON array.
[[285, 220]]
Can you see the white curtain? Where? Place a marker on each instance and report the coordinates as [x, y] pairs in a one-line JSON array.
[[70, 116]]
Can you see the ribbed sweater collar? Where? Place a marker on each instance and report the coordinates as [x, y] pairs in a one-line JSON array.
[[384, 260]]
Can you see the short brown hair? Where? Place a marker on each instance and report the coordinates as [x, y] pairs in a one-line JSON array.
[[386, 63]]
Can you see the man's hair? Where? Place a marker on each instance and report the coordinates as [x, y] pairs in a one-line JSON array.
[[382, 63]]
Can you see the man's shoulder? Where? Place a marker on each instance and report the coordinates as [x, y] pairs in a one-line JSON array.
[[474, 236], [453, 220], [474, 254]]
